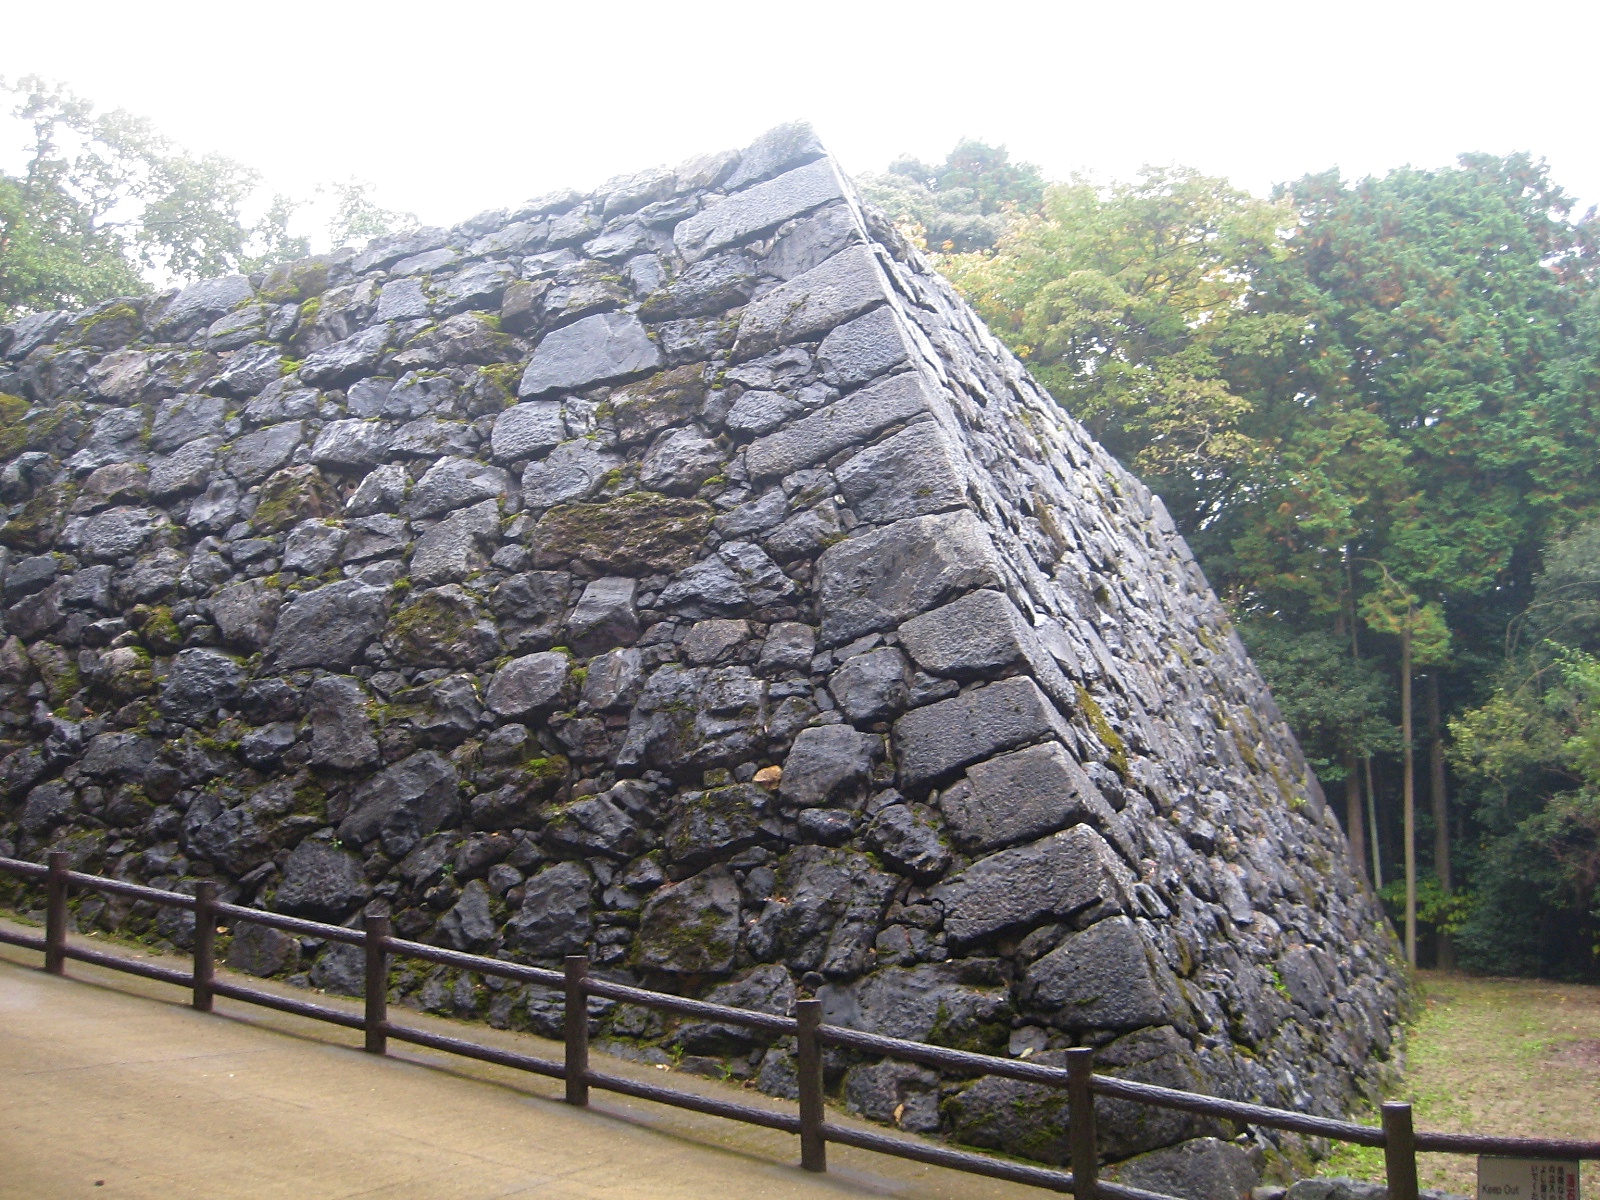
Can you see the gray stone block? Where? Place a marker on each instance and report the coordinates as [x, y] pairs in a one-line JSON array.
[[346, 444], [454, 548], [1202, 1169], [1022, 795], [343, 362], [878, 579], [572, 471], [322, 882], [183, 418], [872, 686], [556, 917], [200, 683], [742, 216], [1070, 874], [692, 927], [829, 765], [592, 350], [402, 804], [454, 483], [946, 1001], [328, 627], [529, 684], [679, 461], [1106, 977], [911, 474], [979, 634], [863, 349], [934, 741], [341, 730], [809, 305], [825, 913], [256, 455], [312, 546], [605, 615], [527, 429]]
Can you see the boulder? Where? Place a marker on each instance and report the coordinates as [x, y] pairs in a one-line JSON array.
[[328, 627], [824, 914], [341, 730], [878, 579], [403, 803], [829, 765], [1068, 875], [556, 914], [322, 882], [1106, 977], [532, 683], [606, 346], [200, 683], [691, 928]]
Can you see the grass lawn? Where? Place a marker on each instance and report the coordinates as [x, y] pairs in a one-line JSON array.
[[1497, 1056]]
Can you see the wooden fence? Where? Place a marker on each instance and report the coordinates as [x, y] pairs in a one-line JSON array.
[[1399, 1141]]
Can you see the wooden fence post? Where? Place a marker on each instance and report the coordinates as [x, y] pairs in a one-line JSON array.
[[1399, 1150], [808, 1064], [577, 1030], [1080, 1124], [55, 913], [205, 943], [377, 983]]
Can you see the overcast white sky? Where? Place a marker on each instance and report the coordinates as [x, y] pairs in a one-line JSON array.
[[450, 109]]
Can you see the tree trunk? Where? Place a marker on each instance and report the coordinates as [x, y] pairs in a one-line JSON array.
[[1372, 824], [1441, 813], [1409, 793], [1354, 826]]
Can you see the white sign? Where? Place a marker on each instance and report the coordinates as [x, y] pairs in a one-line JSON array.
[[1526, 1179]]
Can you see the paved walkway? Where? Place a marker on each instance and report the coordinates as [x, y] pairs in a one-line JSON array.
[[111, 1087]]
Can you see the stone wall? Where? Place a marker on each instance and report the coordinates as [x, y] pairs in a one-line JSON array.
[[681, 574]]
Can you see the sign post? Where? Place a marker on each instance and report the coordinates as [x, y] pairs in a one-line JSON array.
[[1526, 1178]]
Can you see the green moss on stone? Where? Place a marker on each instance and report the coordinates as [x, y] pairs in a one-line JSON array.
[[636, 533], [1102, 730]]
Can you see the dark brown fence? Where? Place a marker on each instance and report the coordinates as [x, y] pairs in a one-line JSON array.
[[1400, 1142]]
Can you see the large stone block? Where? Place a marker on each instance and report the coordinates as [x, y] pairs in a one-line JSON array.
[[1069, 875], [592, 350], [876, 580], [910, 474], [1022, 795], [934, 741], [692, 928], [755, 210], [1106, 977], [402, 804], [809, 305], [839, 426], [978, 635]]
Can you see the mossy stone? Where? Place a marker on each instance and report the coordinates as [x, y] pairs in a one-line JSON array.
[[291, 495], [633, 534]]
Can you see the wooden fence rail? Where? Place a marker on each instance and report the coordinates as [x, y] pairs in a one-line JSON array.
[[1399, 1141]]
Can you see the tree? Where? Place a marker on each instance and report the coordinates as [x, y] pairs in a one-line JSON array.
[[1529, 757], [357, 217], [1425, 640], [960, 205], [1126, 302], [103, 198]]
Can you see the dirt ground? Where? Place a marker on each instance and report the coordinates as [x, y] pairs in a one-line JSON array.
[[1508, 1056]]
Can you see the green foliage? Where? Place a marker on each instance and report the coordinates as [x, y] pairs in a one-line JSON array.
[[1333, 702], [358, 218], [102, 196], [960, 205], [1125, 302]]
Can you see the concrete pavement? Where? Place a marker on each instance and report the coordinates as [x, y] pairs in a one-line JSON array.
[[110, 1086]]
